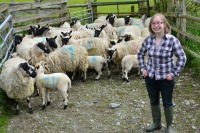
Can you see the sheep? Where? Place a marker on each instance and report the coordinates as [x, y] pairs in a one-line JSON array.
[[35, 52], [17, 80], [128, 62], [147, 22], [94, 46], [79, 34], [133, 31], [145, 32], [97, 63], [39, 31], [122, 21], [117, 52], [51, 42], [64, 24], [103, 19], [76, 26], [68, 58], [49, 82]]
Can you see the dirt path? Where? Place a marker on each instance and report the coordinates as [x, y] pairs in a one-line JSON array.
[[89, 110]]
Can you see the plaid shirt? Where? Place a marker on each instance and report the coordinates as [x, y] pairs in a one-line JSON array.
[[160, 59]]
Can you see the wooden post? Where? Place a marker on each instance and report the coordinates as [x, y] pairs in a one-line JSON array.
[[94, 10], [63, 6], [117, 10], [37, 11], [183, 20]]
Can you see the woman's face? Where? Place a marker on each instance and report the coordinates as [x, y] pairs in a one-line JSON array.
[[157, 25]]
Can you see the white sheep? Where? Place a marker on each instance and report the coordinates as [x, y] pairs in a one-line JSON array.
[[133, 31], [117, 52], [68, 58], [103, 19], [17, 80], [147, 22], [94, 46], [36, 51], [137, 22], [128, 62], [50, 82], [64, 24], [98, 63]]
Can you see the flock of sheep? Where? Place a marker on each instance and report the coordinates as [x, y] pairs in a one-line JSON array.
[[44, 56]]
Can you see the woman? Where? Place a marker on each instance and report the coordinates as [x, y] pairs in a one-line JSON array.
[[161, 69]]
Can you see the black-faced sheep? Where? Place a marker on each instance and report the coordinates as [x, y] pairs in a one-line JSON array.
[[17, 80]]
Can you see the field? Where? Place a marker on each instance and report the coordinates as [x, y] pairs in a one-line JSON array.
[[89, 102]]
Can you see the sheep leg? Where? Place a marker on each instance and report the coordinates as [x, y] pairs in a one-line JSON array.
[[43, 98], [84, 76], [48, 98], [17, 107], [74, 73], [30, 110], [126, 75], [99, 74], [65, 95]]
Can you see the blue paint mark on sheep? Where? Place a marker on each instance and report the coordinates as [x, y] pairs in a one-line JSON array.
[[89, 45], [68, 48], [136, 25], [120, 30], [50, 81], [93, 58]]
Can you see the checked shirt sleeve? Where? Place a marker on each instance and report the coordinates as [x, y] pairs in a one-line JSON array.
[[180, 55]]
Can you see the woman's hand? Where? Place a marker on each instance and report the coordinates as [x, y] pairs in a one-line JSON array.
[[169, 77], [144, 73]]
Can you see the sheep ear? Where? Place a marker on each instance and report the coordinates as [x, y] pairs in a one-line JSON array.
[[55, 37], [70, 32]]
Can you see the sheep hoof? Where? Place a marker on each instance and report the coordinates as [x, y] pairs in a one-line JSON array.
[[109, 76], [127, 80], [65, 107], [48, 103], [30, 111], [17, 112], [124, 79], [43, 107]]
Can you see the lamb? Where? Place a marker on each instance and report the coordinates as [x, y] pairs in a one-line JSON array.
[[129, 62], [76, 26], [17, 80], [49, 82], [97, 63], [68, 58]]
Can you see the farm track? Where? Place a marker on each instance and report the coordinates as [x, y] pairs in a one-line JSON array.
[[89, 110]]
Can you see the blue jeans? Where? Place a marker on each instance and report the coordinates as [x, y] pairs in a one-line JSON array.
[[157, 87]]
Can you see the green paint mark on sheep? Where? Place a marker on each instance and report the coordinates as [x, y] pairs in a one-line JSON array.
[[68, 48], [136, 25], [40, 39]]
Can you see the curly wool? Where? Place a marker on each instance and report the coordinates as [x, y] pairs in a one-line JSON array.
[[14, 82], [126, 48], [68, 58]]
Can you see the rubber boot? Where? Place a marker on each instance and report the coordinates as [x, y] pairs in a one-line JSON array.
[[169, 118], [156, 114]]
